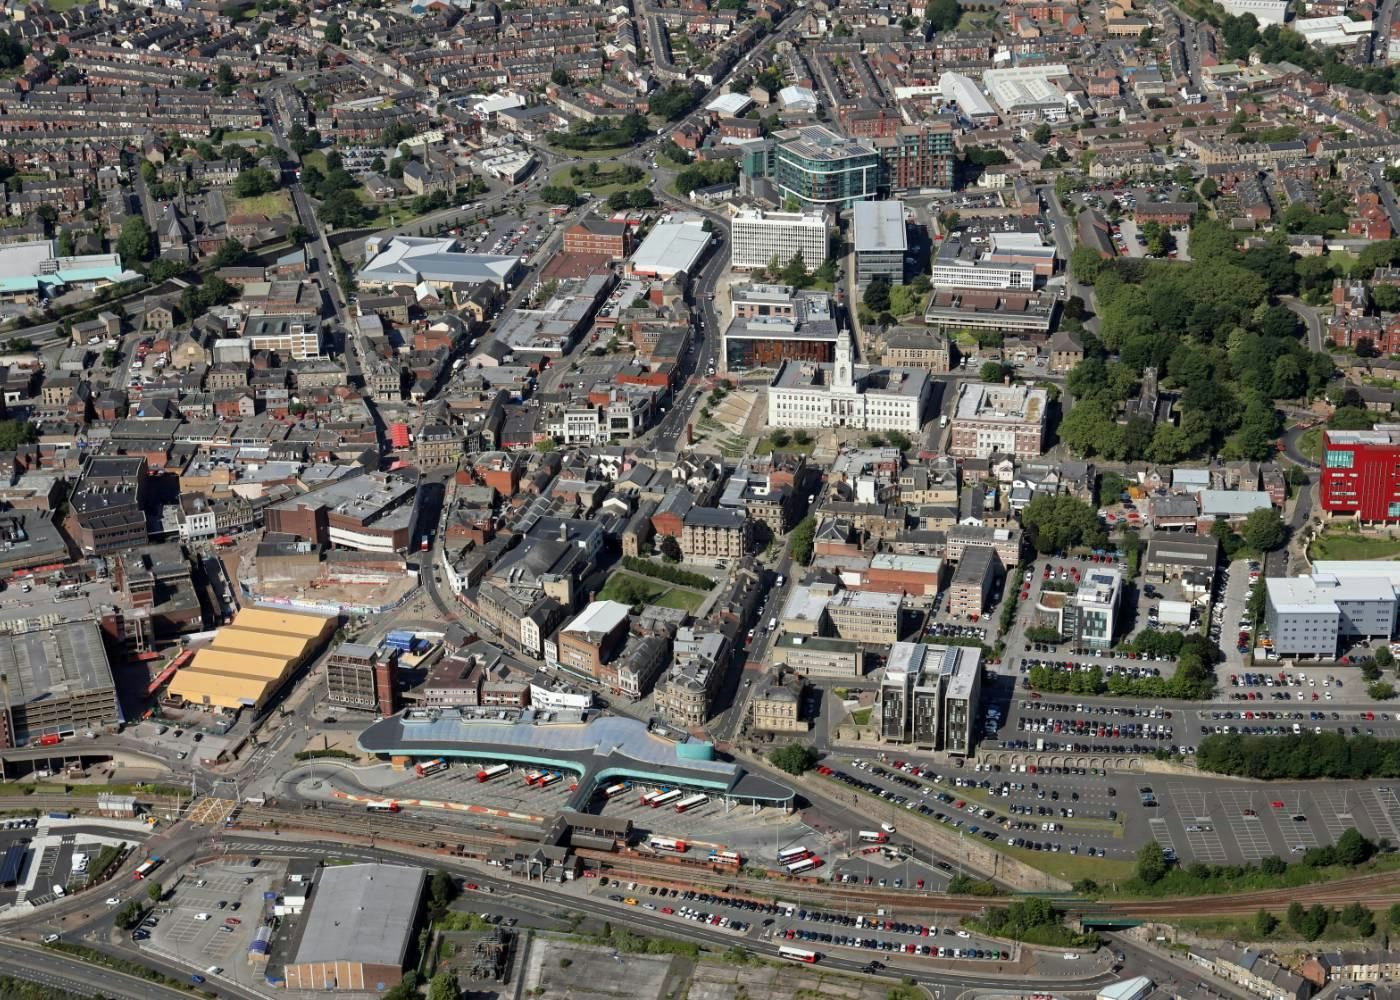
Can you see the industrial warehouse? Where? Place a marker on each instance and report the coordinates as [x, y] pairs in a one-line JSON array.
[[249, 661]]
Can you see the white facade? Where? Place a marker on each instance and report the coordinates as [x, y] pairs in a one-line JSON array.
[[871, 399], [758, 236], [1266, 12], [963, 92], [302, 341], [959, 273]]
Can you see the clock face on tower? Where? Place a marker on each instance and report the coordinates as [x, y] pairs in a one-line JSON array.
[[841, 375]]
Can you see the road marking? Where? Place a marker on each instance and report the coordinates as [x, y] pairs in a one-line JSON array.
[[1162, 834], [1389, 806]]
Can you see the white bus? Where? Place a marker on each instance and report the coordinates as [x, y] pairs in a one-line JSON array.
[[494, 771], [874, 836], [805, 865], [691, 802], [648, 798], [788, 855], [666, 798], [617, 789], [797, 954], [667, 844], [729, 858]]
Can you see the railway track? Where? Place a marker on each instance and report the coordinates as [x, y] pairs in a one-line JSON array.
[[454, 839]]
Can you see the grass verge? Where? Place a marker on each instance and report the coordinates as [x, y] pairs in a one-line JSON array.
[[1352, 545], [272, 204], [100, 958], [1310, 445]]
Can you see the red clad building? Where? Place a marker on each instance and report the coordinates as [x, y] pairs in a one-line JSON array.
[[1361, 473]]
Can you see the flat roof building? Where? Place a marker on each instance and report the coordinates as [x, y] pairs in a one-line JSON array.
[[1024, 92], [818, 166], [674, 246], [776, 323], [881, 241], [357, 934], [928, 696], [960, 265], [1320, 615], [59, 681], [759, 238], [998, 419]]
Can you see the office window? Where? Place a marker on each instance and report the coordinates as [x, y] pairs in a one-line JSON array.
[[1339, 459]]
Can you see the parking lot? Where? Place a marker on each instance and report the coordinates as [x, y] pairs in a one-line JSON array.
[[1109, 815], [209, 917]]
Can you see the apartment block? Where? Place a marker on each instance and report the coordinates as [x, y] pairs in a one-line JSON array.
[[928, 696]]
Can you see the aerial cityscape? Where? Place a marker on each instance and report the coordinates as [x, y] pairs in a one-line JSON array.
[[700, 500]]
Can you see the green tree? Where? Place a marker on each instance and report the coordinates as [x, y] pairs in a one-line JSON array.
[[1265, 923], [877, 295], [154, 891], [559, 194], [1264, 530], [334, 34], [253, 182], [560, 77], [225, 81], [1381, 691], [1151, 863], [134, 242], [670, 549], [795, 758], [443, 986], [801, 540], [942, 15], [1384, 657], [1352, 848], [993, 371], [1061, 522], [16, 433]]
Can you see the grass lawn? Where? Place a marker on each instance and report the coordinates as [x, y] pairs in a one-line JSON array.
[[659, 593], [1070, 867], [272, 204], [861, 716], [1310, 444], [666, 163], [602, 186], [610, 153], [246, 136], [316, 159], [1351, 545], [768, 444]]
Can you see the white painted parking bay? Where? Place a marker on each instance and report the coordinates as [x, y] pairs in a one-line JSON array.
[[1248, 830], [1203, 841], [1162, 835]]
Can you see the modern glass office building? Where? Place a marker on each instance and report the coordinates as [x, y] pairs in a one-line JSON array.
[[820, 167]]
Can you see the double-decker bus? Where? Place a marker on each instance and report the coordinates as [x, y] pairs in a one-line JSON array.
[[730, 858], [690, 802], [790, 854], [805, 865], [494, 771], [431, 767], [667, 844], [797, 954], [666, 798], [144, 869]]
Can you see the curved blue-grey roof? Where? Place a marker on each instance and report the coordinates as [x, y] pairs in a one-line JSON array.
[[601, 748]]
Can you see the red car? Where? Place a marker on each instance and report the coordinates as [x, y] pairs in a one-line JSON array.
[[667, 910], [232, 921], [471, 885], [1277, 803]]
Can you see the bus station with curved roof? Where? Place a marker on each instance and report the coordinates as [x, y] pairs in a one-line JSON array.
[[600, 749]]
